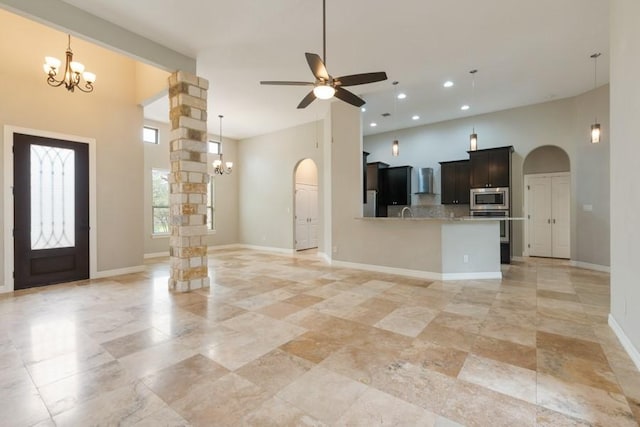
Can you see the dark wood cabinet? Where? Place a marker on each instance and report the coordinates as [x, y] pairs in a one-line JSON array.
[[454, 182], [396, 185], [490, 167], [374, 181], [364, 176]]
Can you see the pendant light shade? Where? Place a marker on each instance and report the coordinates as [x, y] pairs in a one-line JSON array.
[[473, 141], [473, 138], [595, 133], [595, 127], [395, 148]]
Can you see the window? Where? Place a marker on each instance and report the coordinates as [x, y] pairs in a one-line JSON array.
[[211, 223], [150, 135], [214, 147], [160, 201]]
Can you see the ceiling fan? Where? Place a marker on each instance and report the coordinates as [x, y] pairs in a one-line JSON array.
[[326, 86]]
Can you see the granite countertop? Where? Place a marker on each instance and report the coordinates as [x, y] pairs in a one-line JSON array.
[[446, 219]]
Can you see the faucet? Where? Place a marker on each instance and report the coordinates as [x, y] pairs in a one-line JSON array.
[[405, 209]]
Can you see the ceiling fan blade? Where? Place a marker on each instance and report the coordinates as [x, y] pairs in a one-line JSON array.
[[307, 100], [285, 83], [361, 79], [349, 97], [317, 66]]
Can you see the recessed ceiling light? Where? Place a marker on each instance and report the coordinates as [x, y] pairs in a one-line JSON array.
[[416, 117], [464, 107], [363, 109], [448, 83], [373, 124], [402, 95]]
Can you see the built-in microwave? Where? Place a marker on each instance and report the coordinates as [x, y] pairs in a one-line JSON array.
[[489, 199]]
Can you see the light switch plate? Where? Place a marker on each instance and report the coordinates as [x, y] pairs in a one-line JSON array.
[[587, 208]]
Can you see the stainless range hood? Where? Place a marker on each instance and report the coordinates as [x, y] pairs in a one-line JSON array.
[[425, 181]]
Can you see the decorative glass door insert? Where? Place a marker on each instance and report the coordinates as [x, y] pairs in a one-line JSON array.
[[52, 197]]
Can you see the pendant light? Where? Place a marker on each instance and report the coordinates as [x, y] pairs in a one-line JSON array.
[[395, 147], [221, 167], [473, 138], [595, 127]]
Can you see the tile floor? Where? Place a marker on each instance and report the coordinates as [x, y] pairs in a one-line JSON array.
[[288, 341]]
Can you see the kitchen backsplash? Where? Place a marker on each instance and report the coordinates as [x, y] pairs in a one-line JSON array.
[[431, 211]]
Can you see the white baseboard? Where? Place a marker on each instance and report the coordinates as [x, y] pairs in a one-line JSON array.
[[589, 266], [269, 249], [156, 255], [390, 270], [118, 272], [326, 258], [429, 275], [472, 276], [633, 352], [518, 258]]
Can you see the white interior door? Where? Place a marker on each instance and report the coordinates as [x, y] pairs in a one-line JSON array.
[[302, 217], [307, 223], [313, 216], [560, 216], [549, 215], [539, 216]]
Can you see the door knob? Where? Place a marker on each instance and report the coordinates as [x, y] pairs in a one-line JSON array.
[[548, 221], [554, 220]]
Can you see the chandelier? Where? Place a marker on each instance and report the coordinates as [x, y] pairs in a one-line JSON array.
[[219, 167], [71, 75]]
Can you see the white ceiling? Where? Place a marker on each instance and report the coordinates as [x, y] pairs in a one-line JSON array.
[[526, 51]]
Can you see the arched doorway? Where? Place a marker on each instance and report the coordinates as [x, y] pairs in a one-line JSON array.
[[547, 203], [306, 222]]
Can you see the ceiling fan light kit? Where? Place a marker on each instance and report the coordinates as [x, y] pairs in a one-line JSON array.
[[326, 86]]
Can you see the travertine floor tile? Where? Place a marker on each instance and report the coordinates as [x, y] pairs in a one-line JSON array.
[[275, 370], [174, 382], [593, 405], [323, 394], [501, 377], [281, 340], [380, 409], [473, 405]]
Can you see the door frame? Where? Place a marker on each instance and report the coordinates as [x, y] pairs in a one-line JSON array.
[[525, 249], [8, 198]]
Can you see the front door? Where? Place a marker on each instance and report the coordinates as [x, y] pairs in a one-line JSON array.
[[51, 211]]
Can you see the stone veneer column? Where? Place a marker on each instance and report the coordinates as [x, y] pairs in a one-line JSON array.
[[188, 181]]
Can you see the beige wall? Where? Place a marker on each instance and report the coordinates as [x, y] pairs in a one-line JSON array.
[[563, 123], [226, 192], [267, 179], [151, 83], [109, 114], [625, 174]]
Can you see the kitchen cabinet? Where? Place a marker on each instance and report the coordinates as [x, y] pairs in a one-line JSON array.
[[454, 182], [374, 181], [490, 167], [396, 189], [364, 176]]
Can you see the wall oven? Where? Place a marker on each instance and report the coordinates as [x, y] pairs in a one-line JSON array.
[[504, 225], [489, 199]]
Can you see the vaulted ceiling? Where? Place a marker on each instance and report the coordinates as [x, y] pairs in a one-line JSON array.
[[526, 51]]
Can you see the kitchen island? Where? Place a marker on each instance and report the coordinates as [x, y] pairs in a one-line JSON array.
[[431, 248]]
